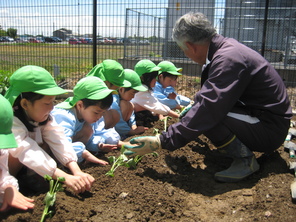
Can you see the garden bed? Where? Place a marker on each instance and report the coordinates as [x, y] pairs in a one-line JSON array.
[[175, 186]]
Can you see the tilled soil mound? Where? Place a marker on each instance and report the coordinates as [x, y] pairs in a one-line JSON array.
[[175, 186]]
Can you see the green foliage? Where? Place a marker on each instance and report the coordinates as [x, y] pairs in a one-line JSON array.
[[197, 80], [123, 160], [4, 81], [11, 32], [49, 200], [156, 131], [165, 122], [151, 54], [3, 32]]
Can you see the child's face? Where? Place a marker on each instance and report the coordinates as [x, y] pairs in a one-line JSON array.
[[91, 114], [127, 95], [168, 81], [153, 82], [111, 86], [40, 109]]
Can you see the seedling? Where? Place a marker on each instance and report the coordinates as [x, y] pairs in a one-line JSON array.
[[156, 131], [123, 160], [165, 122], [49, 200]]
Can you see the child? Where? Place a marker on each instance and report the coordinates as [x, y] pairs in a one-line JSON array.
[[32, 93], [9, 194], [121, 102], [112, 73], [91, 99], [164, 88], [145, 101]]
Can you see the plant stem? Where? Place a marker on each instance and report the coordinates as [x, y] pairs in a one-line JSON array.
[[44, 213]]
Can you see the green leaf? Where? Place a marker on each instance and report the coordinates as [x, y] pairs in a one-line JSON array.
[[109, 173], [61, 179], [155, 154], [50, 196], [112, 159], [47, 177], [132, 163], [59, 187]]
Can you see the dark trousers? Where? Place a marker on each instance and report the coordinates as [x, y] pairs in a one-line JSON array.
[[262, 131]]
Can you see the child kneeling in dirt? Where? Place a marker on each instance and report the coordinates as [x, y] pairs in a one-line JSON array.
[[76, 114], [121, 102], [9, 194], [164, 88], [147, 108], [111, 72], [32, 93]]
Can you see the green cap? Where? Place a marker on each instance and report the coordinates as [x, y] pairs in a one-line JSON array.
[[134, 79], [90, 87], [145, 66], [111, 71], [32, 79], [7, 139], [169, 67]]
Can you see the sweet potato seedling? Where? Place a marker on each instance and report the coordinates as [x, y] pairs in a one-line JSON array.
[[165, 122], [123, 160], [49, 200]]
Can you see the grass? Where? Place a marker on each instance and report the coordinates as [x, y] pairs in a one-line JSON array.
[[71, 59]]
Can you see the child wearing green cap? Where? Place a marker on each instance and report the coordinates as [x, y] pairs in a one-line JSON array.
[[76, 114], [31, 93], [111, 72], [143, 101], [9, 194], [121, 102], [164, 88]]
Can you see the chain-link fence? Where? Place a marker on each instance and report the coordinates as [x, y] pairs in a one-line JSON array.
[[69, 37]]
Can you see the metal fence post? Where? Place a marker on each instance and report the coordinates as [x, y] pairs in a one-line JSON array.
[[264, 28], [94, 34]]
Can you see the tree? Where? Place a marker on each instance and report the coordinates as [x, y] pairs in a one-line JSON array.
[[11, 32], [3, 32]]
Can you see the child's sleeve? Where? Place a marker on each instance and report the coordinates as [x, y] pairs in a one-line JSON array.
[[29, 153], [5, 178], [162, 98], [58, 133], [149, 102]]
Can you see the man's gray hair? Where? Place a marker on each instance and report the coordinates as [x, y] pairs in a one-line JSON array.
[[193, 27]]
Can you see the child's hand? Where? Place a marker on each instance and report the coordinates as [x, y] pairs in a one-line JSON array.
[[140, 129], [87, 178], [172, 96], [107, 147], [13, 198], [76, 183]]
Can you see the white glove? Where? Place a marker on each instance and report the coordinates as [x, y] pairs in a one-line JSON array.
[[146, 144]]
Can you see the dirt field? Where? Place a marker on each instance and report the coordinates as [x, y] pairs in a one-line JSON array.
[[176, 186]]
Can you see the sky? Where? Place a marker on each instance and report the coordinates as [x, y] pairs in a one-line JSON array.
[[42, 17]]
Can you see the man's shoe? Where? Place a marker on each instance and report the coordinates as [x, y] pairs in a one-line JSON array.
[[239, 169]]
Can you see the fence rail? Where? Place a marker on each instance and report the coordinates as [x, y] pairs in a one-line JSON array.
[[91, 31]]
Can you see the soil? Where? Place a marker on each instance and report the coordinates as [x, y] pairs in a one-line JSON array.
[[175, 186]]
